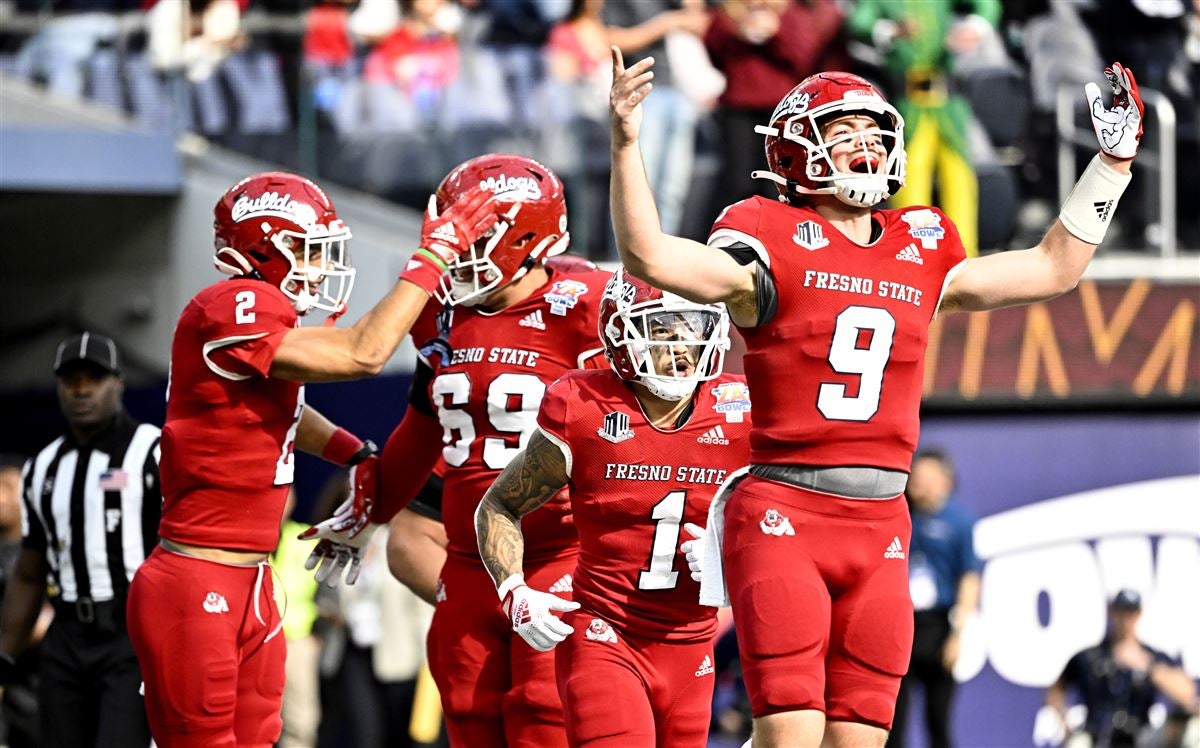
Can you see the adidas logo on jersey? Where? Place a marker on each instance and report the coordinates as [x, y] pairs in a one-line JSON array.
[[534, 320], [715, 435], [910, 254], [564, 584], [1103, 208], [894, 549], [445, 233], [706, 667]]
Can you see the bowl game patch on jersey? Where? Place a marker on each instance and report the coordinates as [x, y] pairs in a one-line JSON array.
[[564, 295], [732, 399], [925, 225]]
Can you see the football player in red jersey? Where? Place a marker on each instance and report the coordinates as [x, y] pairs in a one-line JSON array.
[[643, 450], [834, 297], [201, 613], [510, 325]]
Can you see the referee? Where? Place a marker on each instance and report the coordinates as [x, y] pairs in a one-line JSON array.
[[91, 504]]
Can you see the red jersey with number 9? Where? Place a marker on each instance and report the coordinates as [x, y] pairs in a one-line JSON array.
[[633, 487], [837, 373], [487, 396], [227, 459]]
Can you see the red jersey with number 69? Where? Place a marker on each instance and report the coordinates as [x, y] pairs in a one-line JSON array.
[[227, 442], [632, 489], [486, 389], [837, 373]]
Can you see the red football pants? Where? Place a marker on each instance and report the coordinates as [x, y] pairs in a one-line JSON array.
[[633, 692], [212, 671], [819, 587], [496, 690]]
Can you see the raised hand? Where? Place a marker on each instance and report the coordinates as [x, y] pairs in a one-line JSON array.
[[459, 226], [629, 87], [1119, 127]]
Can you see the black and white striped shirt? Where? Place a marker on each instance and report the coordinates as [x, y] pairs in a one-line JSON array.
[[94, 510]]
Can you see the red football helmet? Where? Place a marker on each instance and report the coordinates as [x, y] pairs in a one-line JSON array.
[[640, 324], [534, 228], [283, 229], [798, 158]]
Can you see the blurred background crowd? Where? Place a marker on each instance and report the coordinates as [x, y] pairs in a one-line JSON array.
[[387, 95]]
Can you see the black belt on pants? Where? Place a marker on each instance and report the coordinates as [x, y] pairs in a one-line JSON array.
[[104, 615]]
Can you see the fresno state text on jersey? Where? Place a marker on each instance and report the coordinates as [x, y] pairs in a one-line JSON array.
[[486, 388], [633, 487], [227, 441], [837, 373]]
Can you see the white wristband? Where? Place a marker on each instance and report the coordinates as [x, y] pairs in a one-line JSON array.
[[1090, 206], [510, 584]]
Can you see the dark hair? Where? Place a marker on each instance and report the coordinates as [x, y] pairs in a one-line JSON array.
[[11, 460], [940, 457]]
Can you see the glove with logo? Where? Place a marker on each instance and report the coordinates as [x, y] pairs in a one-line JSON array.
[[444, 237], [349, 530], [693, 550], [530, 613], [1119, 128], [337, 550]]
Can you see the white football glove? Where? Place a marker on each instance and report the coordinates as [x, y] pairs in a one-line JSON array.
[[530, 613], [341, 545], [1118, 128], [693, 550]]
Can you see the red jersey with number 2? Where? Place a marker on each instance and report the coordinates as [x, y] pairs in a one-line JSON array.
[[632, 489], [487, 396], [837, 373], [227, 442]]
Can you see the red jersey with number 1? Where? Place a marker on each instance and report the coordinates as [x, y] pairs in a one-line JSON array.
[[632, 489], [837, 373], [487, 389], [227, 442]]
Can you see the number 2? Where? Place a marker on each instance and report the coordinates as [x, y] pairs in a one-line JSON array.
[[245, 303], [661, 574], [846, 357]]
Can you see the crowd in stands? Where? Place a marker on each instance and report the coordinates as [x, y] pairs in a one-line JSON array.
[[385, 95]]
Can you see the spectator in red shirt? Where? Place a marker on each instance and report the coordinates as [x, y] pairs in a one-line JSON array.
[[764, 48]]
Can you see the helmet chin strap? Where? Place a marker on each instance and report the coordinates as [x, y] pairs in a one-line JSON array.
[[667, 389], [854, 191]]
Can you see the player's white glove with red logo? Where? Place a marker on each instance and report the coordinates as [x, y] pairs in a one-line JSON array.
[[337, 551], [1119, 127], [347, 532], [530, 613], [693, 550], [446, 236]]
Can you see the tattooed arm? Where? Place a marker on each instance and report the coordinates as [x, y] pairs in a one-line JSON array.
[[530, 480]]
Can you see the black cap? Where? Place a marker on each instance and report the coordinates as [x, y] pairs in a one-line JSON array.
[[89, 346], [1127, 599]]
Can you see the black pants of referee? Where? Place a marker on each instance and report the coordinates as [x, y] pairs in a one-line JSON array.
[[931, 629], [90, 682]]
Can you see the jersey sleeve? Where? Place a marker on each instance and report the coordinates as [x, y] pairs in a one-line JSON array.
[[33, 535], [740, 223], [553, 414], [952, 244], [954, 254], [407, 460], [241, 330], [590, 354]]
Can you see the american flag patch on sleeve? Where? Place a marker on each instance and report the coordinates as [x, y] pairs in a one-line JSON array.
[[113, 479]]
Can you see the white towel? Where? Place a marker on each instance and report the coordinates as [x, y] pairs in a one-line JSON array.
[[712, 582]]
